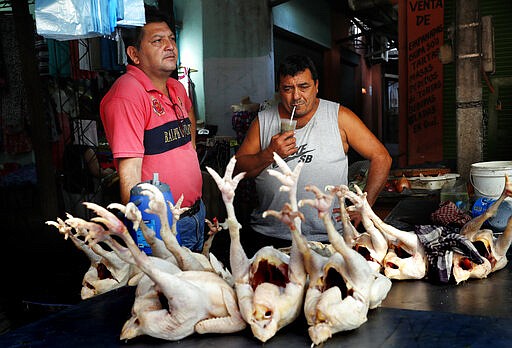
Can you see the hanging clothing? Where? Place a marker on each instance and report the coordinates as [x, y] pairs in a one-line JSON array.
[[122, 60], [41, 48], [109, 55], [15, 119], [58, 58], [184, 78], [75, 60]]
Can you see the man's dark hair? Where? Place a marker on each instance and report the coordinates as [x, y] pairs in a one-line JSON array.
[[294, 64], [133, 36]]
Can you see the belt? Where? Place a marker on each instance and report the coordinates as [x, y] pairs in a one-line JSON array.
[[192, 210]]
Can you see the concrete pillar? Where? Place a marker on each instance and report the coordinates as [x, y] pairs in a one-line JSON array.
[[469, 87], [403, 94]]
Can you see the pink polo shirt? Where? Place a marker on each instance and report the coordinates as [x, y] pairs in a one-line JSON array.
[[141, 122]]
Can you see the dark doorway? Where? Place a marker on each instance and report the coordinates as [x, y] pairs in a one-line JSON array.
[[349, 83], [286, 43]]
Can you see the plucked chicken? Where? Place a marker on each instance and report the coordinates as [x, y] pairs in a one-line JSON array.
[[493, 249], [107, 270], [344, 287], [405, 258], [270, 286], [197, 301]]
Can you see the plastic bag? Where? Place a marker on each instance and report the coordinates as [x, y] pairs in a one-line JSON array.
[[75, 19], [120, 10], [64, 19], [134, 13]]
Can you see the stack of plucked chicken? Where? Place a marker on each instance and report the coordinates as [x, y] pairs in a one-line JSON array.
[[333, 285]]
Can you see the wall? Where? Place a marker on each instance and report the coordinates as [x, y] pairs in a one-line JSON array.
[[189, 18], [497, 91], [233, 40], [449, 86], [237, 58], [497, 123], [306, 18]]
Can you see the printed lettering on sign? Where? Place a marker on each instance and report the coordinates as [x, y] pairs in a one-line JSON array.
[[425, 30]]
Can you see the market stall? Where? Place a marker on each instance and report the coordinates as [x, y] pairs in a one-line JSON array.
[[415, 313]]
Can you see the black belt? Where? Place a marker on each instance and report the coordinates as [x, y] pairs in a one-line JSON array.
[[192, 210]]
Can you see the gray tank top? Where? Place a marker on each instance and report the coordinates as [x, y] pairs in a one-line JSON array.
[[325, 163]]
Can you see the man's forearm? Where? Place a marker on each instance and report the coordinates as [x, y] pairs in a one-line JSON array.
[[253, 164], [377, 177], [193, 126], [129, 176]]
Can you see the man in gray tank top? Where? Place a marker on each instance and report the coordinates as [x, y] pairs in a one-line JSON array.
[[324, 132]]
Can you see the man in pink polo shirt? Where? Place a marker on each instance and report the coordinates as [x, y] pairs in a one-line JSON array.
[[150, 125]]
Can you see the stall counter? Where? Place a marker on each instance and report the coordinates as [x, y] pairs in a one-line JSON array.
[[416, 313]]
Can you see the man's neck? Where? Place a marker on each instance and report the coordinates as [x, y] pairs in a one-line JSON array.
[[161, 85], [159, 80]]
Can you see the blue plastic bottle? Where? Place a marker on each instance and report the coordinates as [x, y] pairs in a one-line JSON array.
[[498, 223], [481, 205], [151, 220]]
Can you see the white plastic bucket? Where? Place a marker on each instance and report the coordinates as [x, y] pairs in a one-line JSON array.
[[488, 178]]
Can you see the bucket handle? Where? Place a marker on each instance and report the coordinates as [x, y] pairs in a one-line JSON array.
[[476, 188]]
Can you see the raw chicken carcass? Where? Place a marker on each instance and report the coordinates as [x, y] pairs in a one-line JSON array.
[[375, 246], [493, 249], [371, 244], [405, 258], [197, 301], [270, 286], [342, 289], [107, 270], [147, 305], [186, 259]]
